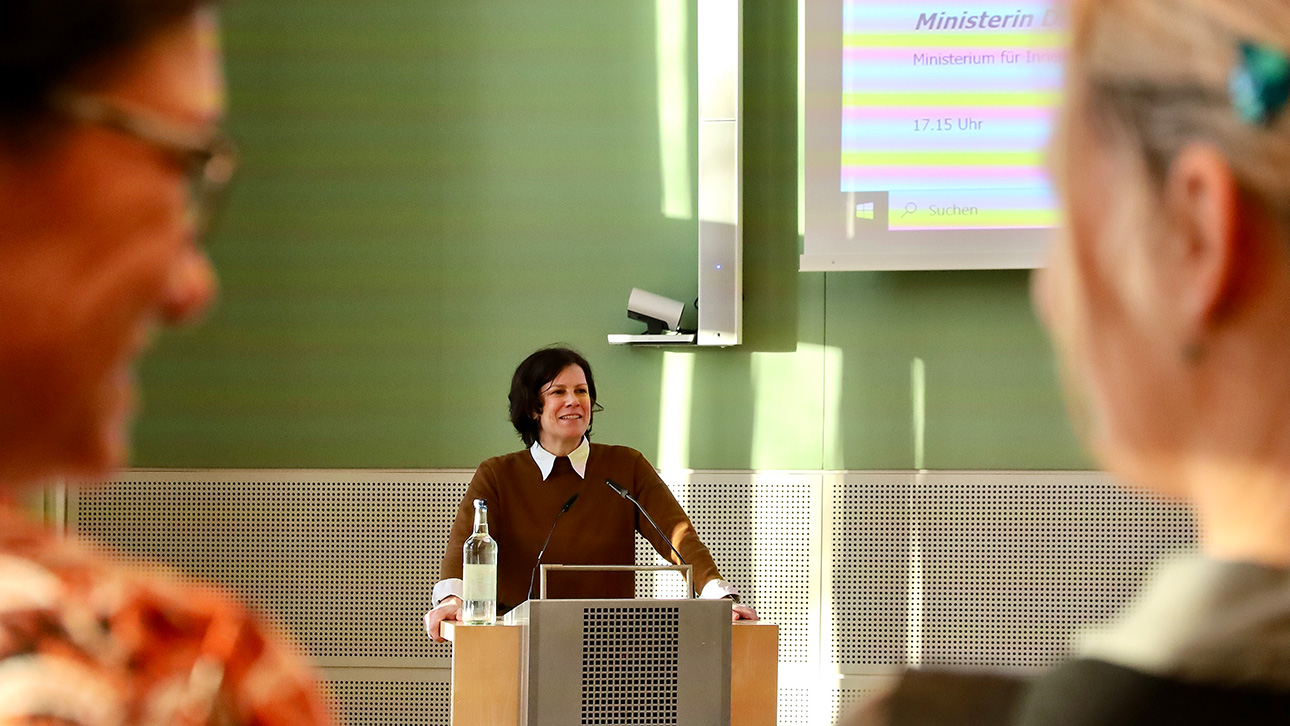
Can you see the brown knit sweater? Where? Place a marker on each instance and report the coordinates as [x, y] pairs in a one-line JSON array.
[[598, 530]]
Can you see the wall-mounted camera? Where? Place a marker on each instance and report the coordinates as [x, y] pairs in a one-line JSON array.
[[662, 318], [657, 312]]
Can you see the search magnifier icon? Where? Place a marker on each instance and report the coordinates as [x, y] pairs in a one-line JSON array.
[[909, 209]]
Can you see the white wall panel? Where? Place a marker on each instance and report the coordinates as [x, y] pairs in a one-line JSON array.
[[399, 697], [865, 572], [994, 569], [762, 530]]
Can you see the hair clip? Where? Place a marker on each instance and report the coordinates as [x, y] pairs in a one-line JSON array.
[[1260, 85]]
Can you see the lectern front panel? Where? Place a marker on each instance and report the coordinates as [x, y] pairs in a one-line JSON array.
[[625, 662]]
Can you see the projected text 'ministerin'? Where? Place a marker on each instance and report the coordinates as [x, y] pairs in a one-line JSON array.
[[971, 20]]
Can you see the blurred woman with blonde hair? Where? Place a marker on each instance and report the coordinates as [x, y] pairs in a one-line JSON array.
[[1168, 300]]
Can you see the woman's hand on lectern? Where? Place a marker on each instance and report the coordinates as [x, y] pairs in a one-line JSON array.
[[449, 609], [742, 612]]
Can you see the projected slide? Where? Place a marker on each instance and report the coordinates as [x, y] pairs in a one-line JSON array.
[[946, 112]]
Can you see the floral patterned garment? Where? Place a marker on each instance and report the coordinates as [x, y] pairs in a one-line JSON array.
[[87, 641]]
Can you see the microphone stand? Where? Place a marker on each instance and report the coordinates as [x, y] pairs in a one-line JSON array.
[[621, 491], [541, 552]]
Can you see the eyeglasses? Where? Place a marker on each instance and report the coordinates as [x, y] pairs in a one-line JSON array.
[[209, 158]]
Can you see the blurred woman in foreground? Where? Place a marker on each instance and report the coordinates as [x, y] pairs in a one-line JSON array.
[[1168, 300], [1169, 305], [111, 163]]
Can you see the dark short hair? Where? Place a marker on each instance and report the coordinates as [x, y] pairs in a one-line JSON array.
[[537, 370], [44, 44]]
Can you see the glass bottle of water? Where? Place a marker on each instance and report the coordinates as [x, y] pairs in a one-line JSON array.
[[479, 572]]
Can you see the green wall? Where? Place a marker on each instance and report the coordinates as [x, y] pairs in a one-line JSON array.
[[433, 189]]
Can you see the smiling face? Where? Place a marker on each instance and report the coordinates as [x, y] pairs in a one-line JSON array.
[[566, 411], [96, 250]]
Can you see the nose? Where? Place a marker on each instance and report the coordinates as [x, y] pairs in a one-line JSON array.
[[190, 287]]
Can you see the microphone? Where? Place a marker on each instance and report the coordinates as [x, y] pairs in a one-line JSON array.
[[621, 491], [542, 551]]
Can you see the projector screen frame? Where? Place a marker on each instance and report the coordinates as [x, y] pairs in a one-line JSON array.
[[826, 246]]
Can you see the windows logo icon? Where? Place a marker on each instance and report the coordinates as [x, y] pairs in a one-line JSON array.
[[864, 210]]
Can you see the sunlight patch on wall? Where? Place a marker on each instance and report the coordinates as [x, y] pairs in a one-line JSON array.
[[672, 47], [918, 399], [675, 400], [914, 587], [795, 408]]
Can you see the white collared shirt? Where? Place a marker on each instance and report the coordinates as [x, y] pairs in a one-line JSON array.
[[577, 458]]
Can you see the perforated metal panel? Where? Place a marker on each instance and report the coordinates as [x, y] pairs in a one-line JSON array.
[[390, 703], [868, 556], [846, 700], [985, 569], [630, 665], [962, 569], [794, 707], [762, 530], [624, 661], [346, 565]]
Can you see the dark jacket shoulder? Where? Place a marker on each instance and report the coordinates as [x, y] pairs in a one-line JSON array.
[[932, 697], [508, 460], [507, 464], [1087, 692], [613, 452]]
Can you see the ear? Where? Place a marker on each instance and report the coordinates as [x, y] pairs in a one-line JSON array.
[[1204, 205]]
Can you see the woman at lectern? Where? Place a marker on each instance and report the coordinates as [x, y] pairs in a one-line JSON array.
[[1168, 299], [552, 400]]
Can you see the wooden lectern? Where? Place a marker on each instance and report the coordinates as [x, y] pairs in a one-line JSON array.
[[487, 665]]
